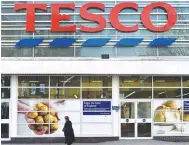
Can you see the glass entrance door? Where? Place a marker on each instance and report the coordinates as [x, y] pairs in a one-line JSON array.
[[136, 119]]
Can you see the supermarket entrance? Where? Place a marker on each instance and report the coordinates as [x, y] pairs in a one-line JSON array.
[[135, 119]]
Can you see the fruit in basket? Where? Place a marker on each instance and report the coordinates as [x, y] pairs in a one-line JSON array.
[[48, 118], [39, 119], [32, 114], [43, 109], [43, 117], [32, 126], [54, 126], [52, 111]]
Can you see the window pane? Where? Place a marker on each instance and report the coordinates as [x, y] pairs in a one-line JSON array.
[[67, 93], [4, 130], [135, 93], [65, 81], [167, 93], [144, 110], [5, 93], [166, 81], [127, 110], [127, 129], [5, 80], [185, 81], [5, 110], [186, 116], [96, 93], [33, 92], [144, 129], [135, 81], [33, 81], [97, 81], [185, 92]]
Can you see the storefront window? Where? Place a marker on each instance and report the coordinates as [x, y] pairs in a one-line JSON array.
[[135, 81], [135, 93], [166, 81], [42, 108], [5, 103], [65, 81], [167, 92], [96, 81]]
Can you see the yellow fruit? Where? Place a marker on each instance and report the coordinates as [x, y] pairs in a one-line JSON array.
[[52, 111], [54, 126], [55, 120], [32, 126], [41, 127], [159, 117], [39, 105], [39, 119], [172, 104], [32, 115], [48, 118], [44, 110]]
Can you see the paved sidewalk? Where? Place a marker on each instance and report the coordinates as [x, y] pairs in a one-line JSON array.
[[125, 142]]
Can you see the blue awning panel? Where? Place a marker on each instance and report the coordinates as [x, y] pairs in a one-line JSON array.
[[29, 42], [126, 42], [62, 42], [162, 42], [95, 42]]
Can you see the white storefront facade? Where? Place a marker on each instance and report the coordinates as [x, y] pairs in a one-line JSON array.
[[139, 92]]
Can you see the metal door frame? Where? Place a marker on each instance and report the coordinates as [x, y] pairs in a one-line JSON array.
[[135, 101]]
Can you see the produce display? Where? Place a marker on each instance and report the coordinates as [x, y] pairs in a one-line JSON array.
[[45, 118]]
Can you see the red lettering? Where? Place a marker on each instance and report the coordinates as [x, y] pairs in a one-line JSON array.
[[114, 16], [171, 16], [92, 17], [30, 14], [56, 18]]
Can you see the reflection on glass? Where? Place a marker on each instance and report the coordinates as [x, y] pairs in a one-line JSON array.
[[144, 110], [144, 130], [135, 81], [134, 93], [5, 80], [127, 129], [96, 93], [4, 130], [33, 81], [185, 81], [97, 81], [4, 110], [68, 93], [5, 93], [65, 81], [167, 81], [185, 92], [127, 110], [33, 92], [167, 93]]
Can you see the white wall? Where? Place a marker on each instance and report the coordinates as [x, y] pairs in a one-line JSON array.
[[95, 67]]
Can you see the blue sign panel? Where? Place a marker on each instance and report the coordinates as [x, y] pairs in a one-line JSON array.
[[96, 107], [186, 105]]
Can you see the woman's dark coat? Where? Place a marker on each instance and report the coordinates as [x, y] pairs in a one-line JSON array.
[[68, 133]]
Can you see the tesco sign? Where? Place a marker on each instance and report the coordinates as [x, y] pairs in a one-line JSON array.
[[56, 17]]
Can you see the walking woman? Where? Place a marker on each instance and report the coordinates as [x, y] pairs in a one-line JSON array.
[[68, 132]]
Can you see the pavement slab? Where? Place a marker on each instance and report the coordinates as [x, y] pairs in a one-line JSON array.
[[122, 142]]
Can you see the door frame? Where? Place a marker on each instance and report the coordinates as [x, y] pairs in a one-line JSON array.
[[7, 121], [135, 101]]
